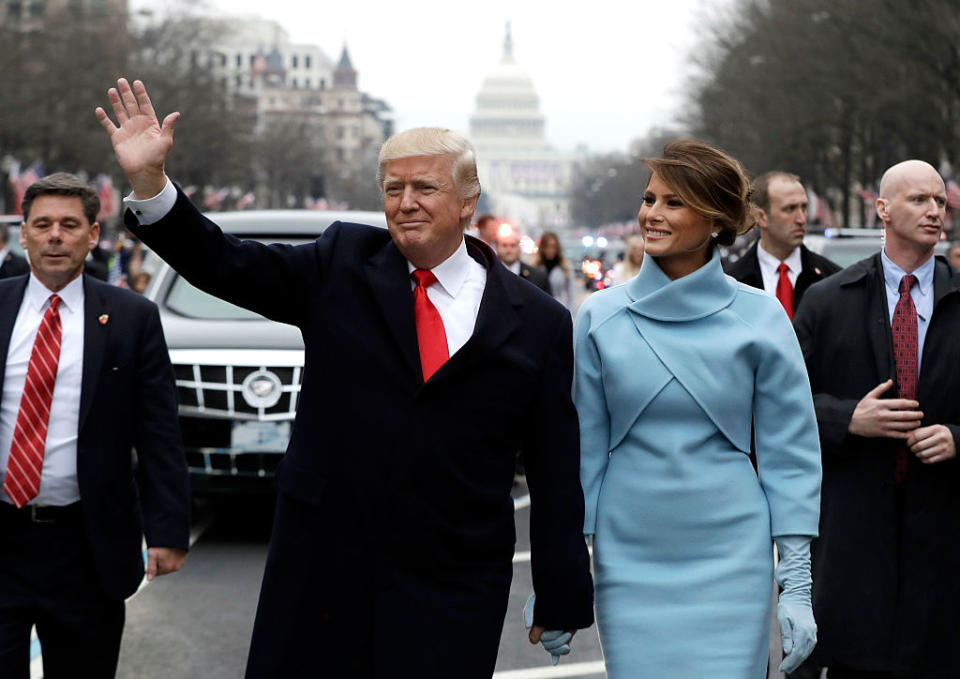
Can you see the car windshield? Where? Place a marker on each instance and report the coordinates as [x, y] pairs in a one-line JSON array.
[[186, 300]]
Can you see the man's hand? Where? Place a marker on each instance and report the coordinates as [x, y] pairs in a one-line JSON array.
[[140, 142], [932, 444], [163, 560], [893, 418]]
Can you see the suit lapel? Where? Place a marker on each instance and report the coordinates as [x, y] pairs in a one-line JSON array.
[[754, 278], [809, 274], [497, 318], [881, 340], [389, 278], [95, 335], [11, 298]]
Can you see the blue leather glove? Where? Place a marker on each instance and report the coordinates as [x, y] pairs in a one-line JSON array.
[[554, 642], [795, 612]]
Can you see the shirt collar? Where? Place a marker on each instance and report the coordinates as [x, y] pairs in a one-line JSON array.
[[893, 273], [3, 253], [71, 297], [792, 261], [452, 272]]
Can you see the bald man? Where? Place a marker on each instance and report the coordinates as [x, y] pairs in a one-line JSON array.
[[879, 339]]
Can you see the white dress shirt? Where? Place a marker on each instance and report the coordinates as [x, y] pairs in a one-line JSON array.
[[769, 265], [456, 294], [58, 480], [921, 293], [514, 268]]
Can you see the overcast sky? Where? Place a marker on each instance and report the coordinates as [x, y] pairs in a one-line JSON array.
[[605, 70]]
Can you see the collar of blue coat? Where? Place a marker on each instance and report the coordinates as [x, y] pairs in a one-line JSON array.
[[701, 293]]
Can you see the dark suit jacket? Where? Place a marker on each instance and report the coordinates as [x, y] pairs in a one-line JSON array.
[[814, 268], [885, 586], [395, 519], [127, 400], [13, 265], [535, 275]]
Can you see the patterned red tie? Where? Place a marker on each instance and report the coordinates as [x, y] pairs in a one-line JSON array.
[[431, 335], [905, 350], [30, 432], [785, 290]]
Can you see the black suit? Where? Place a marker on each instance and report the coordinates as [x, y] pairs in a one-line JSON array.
[[813, 268], [391, 551], [885, 585], [128, 400], [535, 275], [13, 265]]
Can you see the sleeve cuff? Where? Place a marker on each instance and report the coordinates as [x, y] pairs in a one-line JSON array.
[[153, 209]]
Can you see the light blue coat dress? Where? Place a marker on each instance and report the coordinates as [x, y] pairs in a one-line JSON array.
[[669, 377]]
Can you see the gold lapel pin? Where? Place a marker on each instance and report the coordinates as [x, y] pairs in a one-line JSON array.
[[103, 319]]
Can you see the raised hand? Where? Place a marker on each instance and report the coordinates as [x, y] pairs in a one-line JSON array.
[[140, 142]]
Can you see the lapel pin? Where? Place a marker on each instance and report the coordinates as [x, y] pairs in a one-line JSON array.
[[103, 319]]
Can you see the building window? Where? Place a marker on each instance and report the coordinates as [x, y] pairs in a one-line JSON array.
[[239, 81], [223, 60], [293, 81], [38, 8], [323, 84], [239, 60], [306, 61], [306, 83], [293, 61], [14, 10]]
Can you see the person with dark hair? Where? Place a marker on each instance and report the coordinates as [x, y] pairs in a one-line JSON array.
[[391, 555], [11, 264], [880, 342], [779, 262], [550, 258], [86, 378], [671, 369], [486, 226]]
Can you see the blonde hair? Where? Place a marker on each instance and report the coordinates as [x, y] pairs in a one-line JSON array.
[[629, 268], [435, 141]]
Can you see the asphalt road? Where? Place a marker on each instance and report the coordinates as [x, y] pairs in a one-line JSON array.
[[197, 622]]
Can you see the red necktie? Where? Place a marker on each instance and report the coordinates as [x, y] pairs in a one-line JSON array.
[[905, 350], [431, 336], [785, 290], [30, 432]]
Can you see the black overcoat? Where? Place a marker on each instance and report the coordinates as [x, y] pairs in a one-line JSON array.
[[391, 554], [885, 567]]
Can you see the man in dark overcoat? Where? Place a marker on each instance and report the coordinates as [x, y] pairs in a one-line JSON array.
[[880, 343], [391, 553]]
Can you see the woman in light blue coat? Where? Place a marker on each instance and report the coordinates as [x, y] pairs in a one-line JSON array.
[[674, 370]]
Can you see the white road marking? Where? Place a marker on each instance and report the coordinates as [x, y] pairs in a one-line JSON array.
[[583, 669], [36, 664], [521, 502]]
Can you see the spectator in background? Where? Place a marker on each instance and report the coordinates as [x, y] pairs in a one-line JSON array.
[[508, 250], [953, 255], [139, 282], [779, 262], [11, 264], [486, 226], [559, 272], [632, 259], [885, 586]]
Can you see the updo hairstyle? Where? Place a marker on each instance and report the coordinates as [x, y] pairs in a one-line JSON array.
[[709, 181]]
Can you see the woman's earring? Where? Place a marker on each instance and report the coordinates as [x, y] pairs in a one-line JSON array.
[[715, 234]]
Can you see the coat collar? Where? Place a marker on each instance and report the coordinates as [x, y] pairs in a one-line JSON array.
[[701, 293], [388, 274]]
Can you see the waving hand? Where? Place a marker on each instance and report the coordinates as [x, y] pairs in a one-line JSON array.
[[140, 142]]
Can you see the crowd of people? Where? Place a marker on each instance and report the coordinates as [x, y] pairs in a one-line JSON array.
[[688, 420]]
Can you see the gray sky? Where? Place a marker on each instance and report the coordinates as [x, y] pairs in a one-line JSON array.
[[605, 70]]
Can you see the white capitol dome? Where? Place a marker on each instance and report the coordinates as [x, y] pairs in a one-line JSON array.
[[507, 114]]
